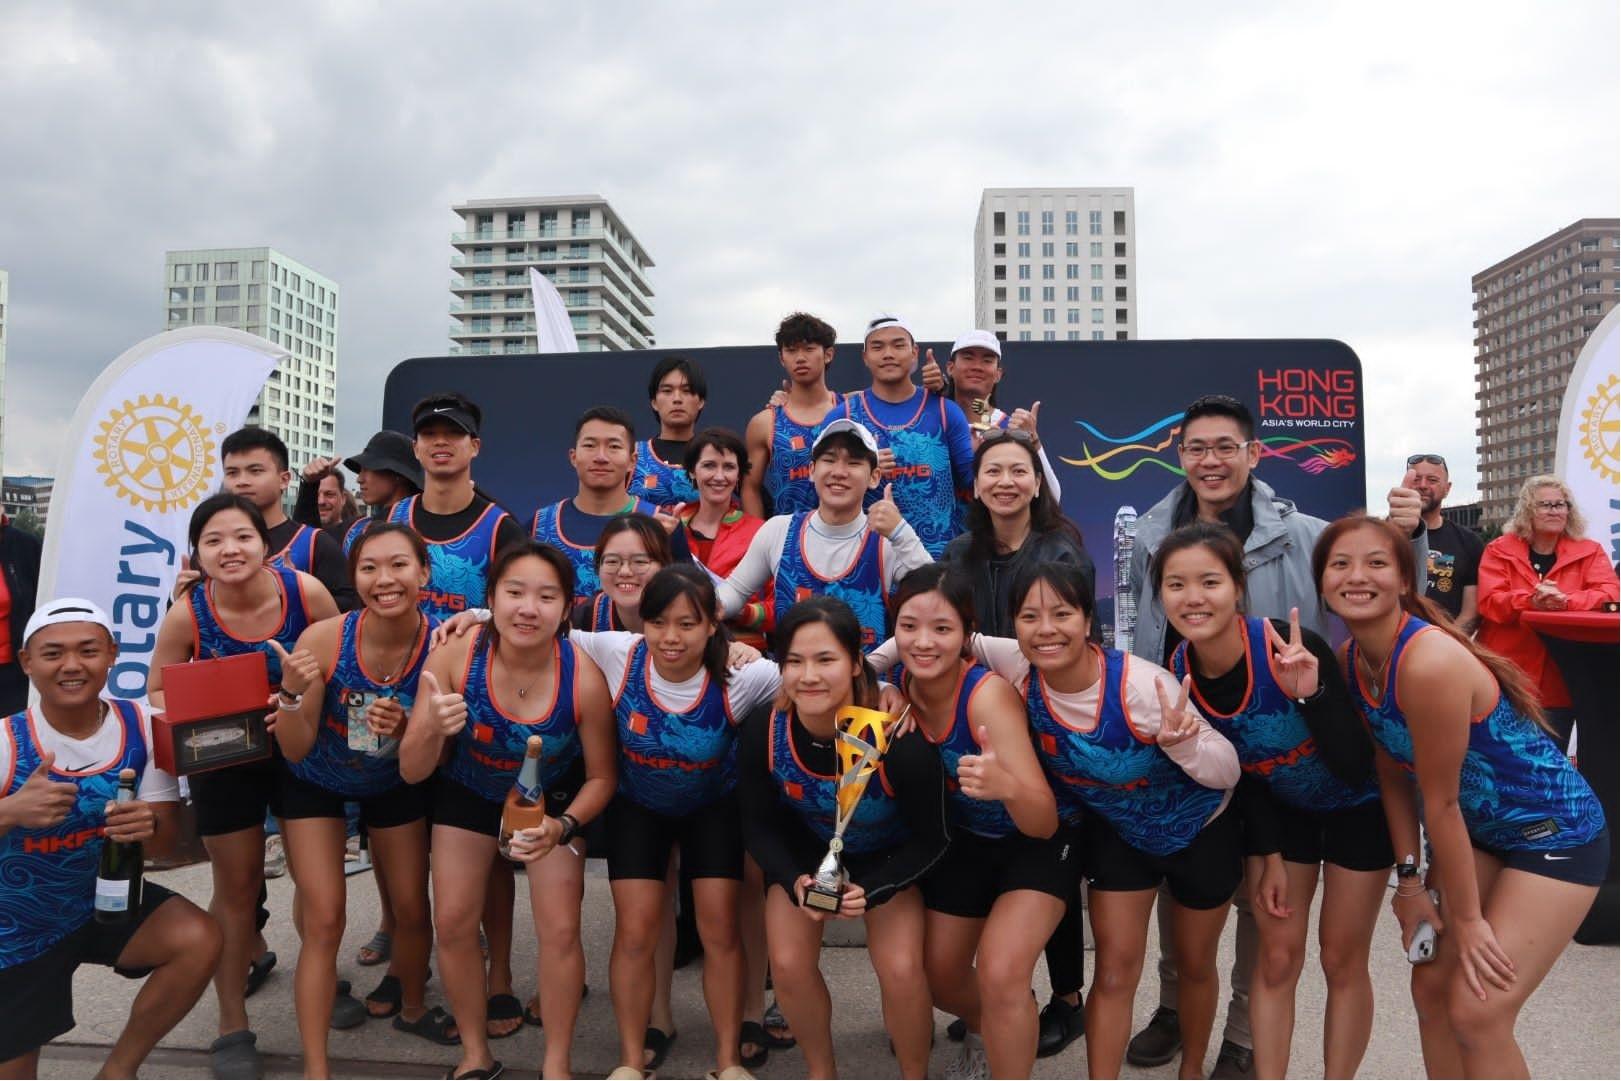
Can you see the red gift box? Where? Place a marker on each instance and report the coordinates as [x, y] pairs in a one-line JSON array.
[[213, 715]]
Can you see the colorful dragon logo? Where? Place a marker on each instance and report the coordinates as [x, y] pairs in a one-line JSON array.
[[1150, 445]]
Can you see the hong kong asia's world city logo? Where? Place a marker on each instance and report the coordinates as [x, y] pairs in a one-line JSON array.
[[1292, 398], [156, 453]]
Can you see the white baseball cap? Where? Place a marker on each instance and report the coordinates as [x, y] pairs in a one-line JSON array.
[[885, 322], [66, 610], [845, 424], [977, 339]]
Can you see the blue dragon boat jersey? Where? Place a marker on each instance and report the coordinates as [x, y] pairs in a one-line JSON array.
[[1270, 734], [547, 528], [787, 480], [353, 534], [603, 616], [332, 763], [488, 750], [1114, 772], [1517, 791], [457, 568], [673, 762], [988, 818], [211, 639], [860, 585], [877, 823], [661, 483], [299, 552], [925, 489], [48, 875]]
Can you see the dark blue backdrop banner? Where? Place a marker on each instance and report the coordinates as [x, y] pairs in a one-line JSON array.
[[1109, 413]]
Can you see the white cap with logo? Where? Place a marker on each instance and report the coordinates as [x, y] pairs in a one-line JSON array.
[[845, 424], [66, 610], [977, 339], [886, 322]]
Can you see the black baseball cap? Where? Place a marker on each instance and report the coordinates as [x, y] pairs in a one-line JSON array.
[[450, 406], [388, 451]]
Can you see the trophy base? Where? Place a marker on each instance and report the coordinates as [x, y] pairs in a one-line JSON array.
[[824, 899]]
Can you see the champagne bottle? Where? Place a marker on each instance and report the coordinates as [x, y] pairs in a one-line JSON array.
[[525, 808], [118, 881]]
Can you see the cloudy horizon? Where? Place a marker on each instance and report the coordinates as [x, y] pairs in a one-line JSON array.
[[1320, 171]]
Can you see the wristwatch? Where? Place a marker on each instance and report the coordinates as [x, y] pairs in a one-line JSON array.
[[1407, 868], [571, 826]]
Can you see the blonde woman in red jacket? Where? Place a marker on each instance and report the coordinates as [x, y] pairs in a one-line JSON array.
[[1543, 562]]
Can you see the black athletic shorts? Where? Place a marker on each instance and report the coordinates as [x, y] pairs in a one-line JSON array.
[[398, 806], [639, 841], [452, 803], [1584, 865], [38, 994], [1355, 838], [234, 798], [976, 870], [1203, 875]]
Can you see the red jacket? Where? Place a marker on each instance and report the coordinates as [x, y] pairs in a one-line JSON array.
[[1583, 574], [725, 552]]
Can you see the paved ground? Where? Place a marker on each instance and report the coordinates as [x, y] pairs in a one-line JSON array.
[[1569, 1029]]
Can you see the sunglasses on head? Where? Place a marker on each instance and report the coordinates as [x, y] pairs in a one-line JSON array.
[[1015, 434], [1432, 459]]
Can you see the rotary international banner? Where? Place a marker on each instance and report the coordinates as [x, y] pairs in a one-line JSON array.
[[141, 452], [1589, 458]]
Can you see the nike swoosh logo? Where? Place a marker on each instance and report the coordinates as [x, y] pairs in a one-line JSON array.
[[1547, 856], [442, 409]]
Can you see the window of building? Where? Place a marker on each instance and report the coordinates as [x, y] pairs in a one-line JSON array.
[[179, 296], [1024, 315], [1095, 249], [1000, 294], [999, 272], [1072, 271], [1048, 271], [254, 291], [253, 313], [1097, 315], [228, 313], [1000, 315], [1119, 223], [225, 272], [1024, 335], [1047, 293], [1046, 223], [1024, 272], [1120, 272], [1097, 335], [177, 315], [199, 315], [1023, 218], [1072, 249], [1094, 222], [1074, 315], [1072, 222], [1046, 249], [256, 270], [199, 293], [581, 222], [298, 283], [1073, 336], [1024, 293], [1121, 336], [1049, 315], [1097, 271], [1120, 315], [1072, 293], [999, 224], [999, 251], [1097, 292], [1120, 249], [180, 272], [227, 292], [275, 295], [1024, 249]]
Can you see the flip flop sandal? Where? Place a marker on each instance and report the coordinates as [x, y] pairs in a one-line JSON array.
[[259, 972], [502, 1008], [628, 1073], [774, 1019], [658, 1042], [389, 994], [377, 951], [236, 1054], [347, 1011], [753, 1032], [494, 1071], [434, 1026]]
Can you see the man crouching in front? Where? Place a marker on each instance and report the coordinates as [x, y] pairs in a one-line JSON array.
[[59, 780]]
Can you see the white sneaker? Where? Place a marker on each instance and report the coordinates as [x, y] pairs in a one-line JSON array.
[[275, 856], [970, 1063]]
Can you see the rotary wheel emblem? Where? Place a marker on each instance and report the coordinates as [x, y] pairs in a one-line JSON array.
[[156, 453], [1601, 429]]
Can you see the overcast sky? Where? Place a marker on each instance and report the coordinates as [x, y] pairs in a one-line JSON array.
[[1301, 170]]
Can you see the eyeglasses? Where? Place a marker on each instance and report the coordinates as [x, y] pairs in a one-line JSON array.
[[1432, 459], [1225, 450], [1552, 505], [612, 564]]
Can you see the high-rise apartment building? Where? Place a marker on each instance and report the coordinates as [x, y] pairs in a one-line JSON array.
[[263, 292], [1533, 312], [5, 280], [581, 246], [1056, 264]]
